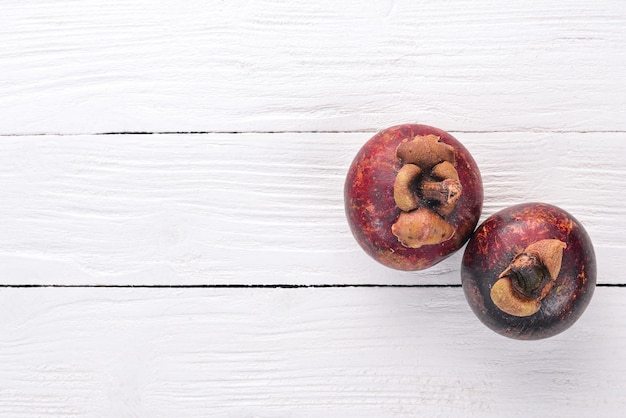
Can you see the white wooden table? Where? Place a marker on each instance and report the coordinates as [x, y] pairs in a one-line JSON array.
[[172, 233]]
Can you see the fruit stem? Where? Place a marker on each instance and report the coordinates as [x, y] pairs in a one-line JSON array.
[[529, 276], [445, 192], [534, 270]]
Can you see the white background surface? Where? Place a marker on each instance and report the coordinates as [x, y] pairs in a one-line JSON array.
[[172, 235]]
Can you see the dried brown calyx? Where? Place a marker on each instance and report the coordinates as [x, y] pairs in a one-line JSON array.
[[403, 187], [529, 278], [425, 151], [421, 227], [426, 189]]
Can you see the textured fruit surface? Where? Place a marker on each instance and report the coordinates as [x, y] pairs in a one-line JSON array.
[[503, 236], [371, 209]]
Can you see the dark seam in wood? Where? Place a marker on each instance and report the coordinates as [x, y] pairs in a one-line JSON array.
[[254, 286]]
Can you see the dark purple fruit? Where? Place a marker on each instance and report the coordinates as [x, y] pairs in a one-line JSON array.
[[413, 196], [529, 271]]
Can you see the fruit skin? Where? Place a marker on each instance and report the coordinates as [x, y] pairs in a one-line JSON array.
[[371, 209], [499, 239]]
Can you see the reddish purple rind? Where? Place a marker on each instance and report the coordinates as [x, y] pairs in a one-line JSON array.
[[502, 236], [371, 209]]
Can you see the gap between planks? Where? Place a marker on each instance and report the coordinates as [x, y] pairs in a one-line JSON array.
[[254, 286], [269, 132]]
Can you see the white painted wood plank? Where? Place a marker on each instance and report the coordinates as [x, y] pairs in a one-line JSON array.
[[371, 352], [91, 66], [259, 208]]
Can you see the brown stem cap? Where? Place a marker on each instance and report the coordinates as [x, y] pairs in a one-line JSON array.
[[529, 278], [421, 227]]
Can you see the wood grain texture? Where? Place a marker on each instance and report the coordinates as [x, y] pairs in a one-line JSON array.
[[92, 66], [296, 352], [259, 208]]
